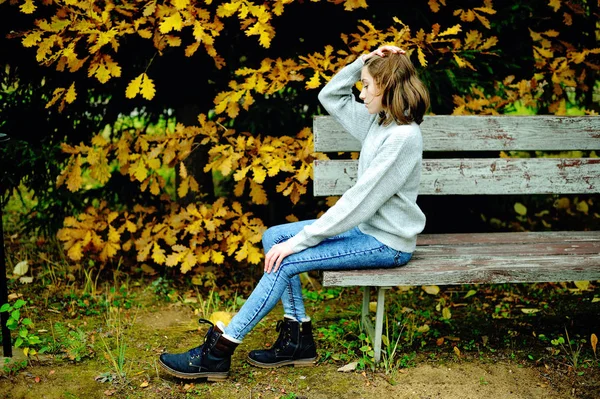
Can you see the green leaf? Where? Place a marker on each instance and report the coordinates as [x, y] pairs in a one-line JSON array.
[[520, 209], [34, 340], [26, 321], [470, 293], [5, 308], [384, 340], [18, 342], [12, 324], [16, 314], [19, 303], [23, 332]]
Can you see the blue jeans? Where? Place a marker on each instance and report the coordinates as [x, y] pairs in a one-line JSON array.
[[350, 250]]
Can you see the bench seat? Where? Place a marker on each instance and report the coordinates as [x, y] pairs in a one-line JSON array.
[[495, 258]]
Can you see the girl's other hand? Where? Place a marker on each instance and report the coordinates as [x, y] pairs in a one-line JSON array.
[[381, 51]]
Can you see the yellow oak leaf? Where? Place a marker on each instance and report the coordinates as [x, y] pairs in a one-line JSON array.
[[460, 61], [434, 5], [139, 170], [172, 22], [173, 41], [75, 181], [183, 188], [147, 88], [75, 252], [181, 4], [254, 255], [451, 31], [28, 7], [112, 216], [257, 193], [109, 250], [56, 95], [242, 253], [130, 226], [350, 5], [543, 52], [113, 235], [158, 254], [555, 4], [314, 82], [259, 174], [71, 94], [217, 257], [189, 261], [191, 49], [32, 38], [422, 58], [149, 8]]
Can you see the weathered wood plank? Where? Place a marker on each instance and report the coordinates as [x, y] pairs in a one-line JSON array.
[[506, 250], [487, 258], [492, 270], [479, 176], [480, 133], [514, 238]]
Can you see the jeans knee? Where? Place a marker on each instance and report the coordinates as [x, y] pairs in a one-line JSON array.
[[273, 235]]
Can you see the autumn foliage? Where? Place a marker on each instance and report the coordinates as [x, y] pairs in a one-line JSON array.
[[458, 57]]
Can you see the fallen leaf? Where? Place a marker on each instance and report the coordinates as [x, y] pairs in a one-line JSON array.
[[457, 351], [529, 310], [224, 317], [349, 367], [597, 299], [470, 293], [431, 289], [372, 306], [26, 280], [144, 384], [21, 268], [446, 313], [594, 341], [582, 285], [423, 329]]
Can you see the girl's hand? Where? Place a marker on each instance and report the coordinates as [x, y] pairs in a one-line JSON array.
[[276, 255], [381, 51]]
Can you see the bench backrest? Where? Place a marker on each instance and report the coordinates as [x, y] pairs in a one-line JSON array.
[[479, 175]]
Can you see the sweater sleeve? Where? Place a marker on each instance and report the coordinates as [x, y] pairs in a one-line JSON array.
[[338, 100], [382, 179]]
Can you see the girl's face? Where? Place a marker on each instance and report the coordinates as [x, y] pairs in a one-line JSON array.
[[370, 93]]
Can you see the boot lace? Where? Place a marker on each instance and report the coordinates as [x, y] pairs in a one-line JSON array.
[[285, 336], [202, 349]]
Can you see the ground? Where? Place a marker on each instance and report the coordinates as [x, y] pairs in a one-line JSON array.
[[505, 361]]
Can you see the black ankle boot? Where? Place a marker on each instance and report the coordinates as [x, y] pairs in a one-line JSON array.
[[295, 346], [210, 360]]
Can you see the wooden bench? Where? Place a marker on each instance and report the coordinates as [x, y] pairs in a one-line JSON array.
[[479, 258]]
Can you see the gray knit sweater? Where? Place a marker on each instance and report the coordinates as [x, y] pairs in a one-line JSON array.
[[382, 202]]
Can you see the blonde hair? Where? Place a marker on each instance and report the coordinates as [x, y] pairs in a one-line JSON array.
[[405, 98]]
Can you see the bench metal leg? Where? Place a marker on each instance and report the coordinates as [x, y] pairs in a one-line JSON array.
[[376, 333]]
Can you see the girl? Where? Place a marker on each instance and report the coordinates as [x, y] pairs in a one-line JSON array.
[[374, 224]]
